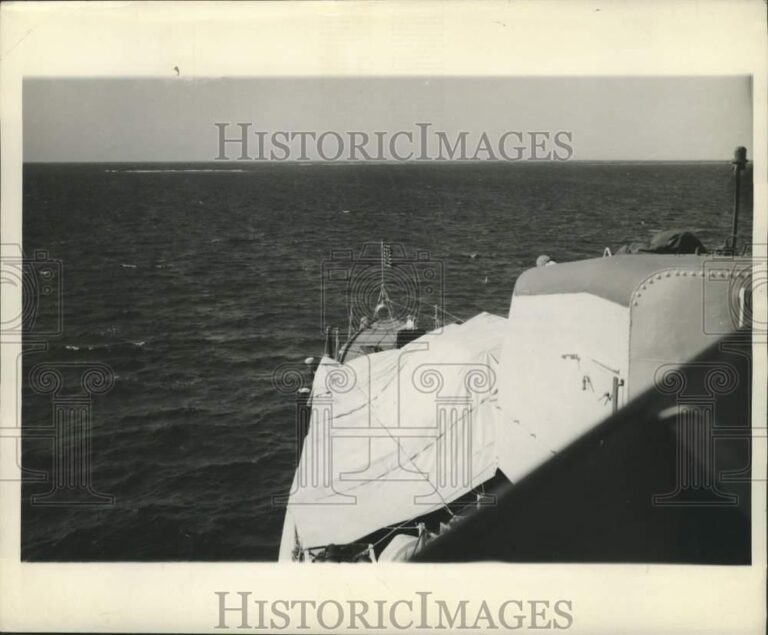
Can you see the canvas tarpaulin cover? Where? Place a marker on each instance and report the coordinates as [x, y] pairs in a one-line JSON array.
[[397, 434]]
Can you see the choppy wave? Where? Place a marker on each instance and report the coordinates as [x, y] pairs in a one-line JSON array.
[[195, 305]]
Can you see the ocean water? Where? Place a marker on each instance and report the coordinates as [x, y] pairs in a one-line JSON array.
[[195, 282]]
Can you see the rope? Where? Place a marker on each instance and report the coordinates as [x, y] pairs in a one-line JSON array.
[[390, 532], [411, 461], [443, 311]]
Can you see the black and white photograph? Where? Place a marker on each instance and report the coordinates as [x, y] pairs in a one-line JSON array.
[[385, 325], [367, 344]]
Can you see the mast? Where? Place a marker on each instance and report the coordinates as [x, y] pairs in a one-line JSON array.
[[382, 264], [385, 261], [739, 163]]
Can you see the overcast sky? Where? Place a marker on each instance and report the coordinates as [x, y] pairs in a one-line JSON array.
[[173, 119]]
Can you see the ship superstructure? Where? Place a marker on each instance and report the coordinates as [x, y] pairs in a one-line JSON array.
[[410, 434]]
